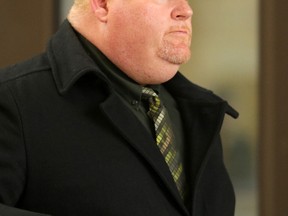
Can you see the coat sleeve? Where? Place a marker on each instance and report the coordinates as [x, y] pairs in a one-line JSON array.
[[12, 156], [11, 211]]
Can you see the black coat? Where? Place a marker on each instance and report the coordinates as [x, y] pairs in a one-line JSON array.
[[69, 146]]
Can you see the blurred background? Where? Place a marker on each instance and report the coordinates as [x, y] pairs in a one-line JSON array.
[[240, 51], [225, 59]]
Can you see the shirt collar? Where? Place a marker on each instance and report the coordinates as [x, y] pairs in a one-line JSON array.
[[121, 83]]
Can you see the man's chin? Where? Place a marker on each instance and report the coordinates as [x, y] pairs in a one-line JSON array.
[[178, 59], [175, 55]]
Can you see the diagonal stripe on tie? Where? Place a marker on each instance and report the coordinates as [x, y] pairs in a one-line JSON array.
[[165, 138]]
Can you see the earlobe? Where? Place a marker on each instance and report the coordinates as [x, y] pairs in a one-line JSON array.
[[100, 9]]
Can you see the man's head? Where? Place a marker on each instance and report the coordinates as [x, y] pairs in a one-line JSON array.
[[147, 39]]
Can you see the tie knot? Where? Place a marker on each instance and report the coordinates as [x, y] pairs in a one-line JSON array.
[[148, 93]]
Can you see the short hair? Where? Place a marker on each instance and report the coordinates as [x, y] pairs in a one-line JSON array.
[[81, 4]]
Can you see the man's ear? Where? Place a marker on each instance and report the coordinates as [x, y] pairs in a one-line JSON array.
[[100, 9]]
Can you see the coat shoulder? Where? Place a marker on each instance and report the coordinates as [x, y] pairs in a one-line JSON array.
[[19, 70]]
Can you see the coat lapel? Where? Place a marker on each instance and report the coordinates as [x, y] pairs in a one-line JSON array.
[[202, 114], [202, 123], [140, 139]]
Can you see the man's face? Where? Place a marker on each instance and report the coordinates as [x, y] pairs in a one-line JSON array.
[[148, 31]]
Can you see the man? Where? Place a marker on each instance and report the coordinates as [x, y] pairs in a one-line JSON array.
[[103, 124]]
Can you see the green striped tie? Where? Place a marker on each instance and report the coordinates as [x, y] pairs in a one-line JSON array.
[[165, 137]]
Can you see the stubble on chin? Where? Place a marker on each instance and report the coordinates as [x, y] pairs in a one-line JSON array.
[[175, 52], [174, 55]]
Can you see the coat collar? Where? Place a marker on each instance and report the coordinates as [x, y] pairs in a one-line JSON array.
[[68, 59], [69, 62], [184, 90]]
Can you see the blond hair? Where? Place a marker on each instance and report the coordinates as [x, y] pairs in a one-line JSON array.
[[81, 4], [78, 9]]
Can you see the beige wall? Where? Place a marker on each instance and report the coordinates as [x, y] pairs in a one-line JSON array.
[[225, 59]]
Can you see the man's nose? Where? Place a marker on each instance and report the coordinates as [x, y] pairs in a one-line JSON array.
[[182, 10]]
